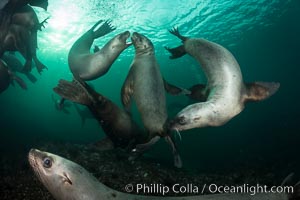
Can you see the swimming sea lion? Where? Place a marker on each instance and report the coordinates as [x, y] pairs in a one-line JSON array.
[[225, 90], [27, 18], [145, 84], [18, 38], [67, 180], [89, 66], [116, 123], [6, 77]]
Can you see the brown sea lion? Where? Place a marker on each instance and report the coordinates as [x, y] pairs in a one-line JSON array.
[[225, 90], [6, 77], [89, 66], [145, 85], [116, 123]]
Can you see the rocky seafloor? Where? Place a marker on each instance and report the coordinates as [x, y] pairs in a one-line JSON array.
[[113, 169]]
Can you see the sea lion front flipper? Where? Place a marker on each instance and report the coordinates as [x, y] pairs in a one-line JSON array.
[[127, 91], [27, 66], [104, 29], [174, 90], [39, 65], [259, 91], [73, 92], [177, 158]]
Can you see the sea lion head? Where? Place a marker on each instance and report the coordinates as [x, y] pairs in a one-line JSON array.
[[142, 44], [119, 42], [189, 118], [63, 178]]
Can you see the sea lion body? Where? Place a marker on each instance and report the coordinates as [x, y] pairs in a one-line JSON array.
[[89, 66], [116, 123], [224, 100], [225, 93], [145, 83], [66, 180]]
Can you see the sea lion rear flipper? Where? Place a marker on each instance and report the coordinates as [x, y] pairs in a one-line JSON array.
[[30, 77], [72, 91], [126, 92], [177, 158], [176, 52], [174, 90], [259, 91]]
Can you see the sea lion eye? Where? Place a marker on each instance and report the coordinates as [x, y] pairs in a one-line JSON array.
[[181, 120], [47, 162]]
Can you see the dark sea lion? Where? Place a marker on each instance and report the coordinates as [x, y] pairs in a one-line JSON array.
[[13, 5], [145, 84], [18, 38], [116, 123], [67, 180], [226, 91], [89, 66], [27, 18], [6, 77]]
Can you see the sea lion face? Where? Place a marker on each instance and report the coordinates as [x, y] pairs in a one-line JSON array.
[[189, 118], [119, 42], [60, 176], [142, 44]]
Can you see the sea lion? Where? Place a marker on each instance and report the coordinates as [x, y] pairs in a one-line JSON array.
[[226, 92], [116, 123], [145, 84], [66, 180], [27, 18], [89, 66], [6, 77], [13, 5], [18, 38]]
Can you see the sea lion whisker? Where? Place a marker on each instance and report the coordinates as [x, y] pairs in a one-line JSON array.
[[178, 134]]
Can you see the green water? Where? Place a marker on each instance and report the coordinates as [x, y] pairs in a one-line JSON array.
[[263, 35]]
